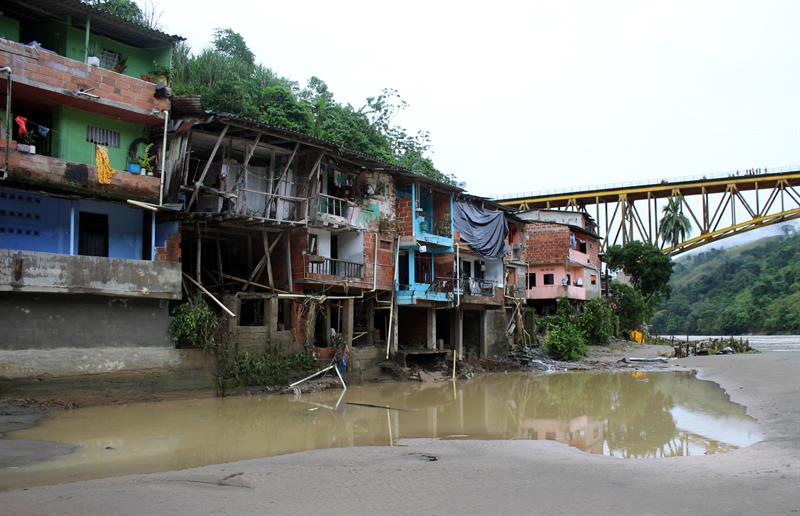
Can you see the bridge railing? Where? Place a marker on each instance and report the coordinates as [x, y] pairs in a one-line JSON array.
[[627, 184]]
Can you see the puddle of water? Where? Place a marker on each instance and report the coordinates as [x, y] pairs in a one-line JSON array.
[[621, 414]]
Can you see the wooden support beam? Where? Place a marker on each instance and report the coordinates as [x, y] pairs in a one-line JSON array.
[[208, 165], [199, 253], [267, 252], [283, 173], [219, 263]]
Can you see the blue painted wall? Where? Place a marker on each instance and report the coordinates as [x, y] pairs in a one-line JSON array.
[[36, 222]]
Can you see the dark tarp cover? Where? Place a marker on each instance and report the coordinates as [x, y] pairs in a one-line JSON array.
[[484, 230]]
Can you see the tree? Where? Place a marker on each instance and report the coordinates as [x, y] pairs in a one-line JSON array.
[[648, 268], [125, 9], [629, 306], [674, 225], [230, 80]]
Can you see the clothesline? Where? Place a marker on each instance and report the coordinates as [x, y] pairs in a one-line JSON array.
[[23, 129]]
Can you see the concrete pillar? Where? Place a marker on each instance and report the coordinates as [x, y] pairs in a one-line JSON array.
[[370, 305], [457, 332], [309, 323], [395, 329], [326, 337], [431, 330], [485, 320], [348, 311], [271, 316]]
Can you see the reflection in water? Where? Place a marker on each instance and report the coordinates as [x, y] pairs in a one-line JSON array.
[[620, 414]]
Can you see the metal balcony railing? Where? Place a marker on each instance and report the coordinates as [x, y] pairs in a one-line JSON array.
[[477, 287], [321, 265]]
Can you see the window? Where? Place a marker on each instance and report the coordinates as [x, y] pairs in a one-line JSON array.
[[549, 279], [109, 59], [582, 246], [593, 279], [531, 280], [466, 269], [386, 245], [284, 318], [312, 243], [251, 312], [100, 136], [92, 234]]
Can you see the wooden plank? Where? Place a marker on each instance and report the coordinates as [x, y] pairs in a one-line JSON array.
[[208, 165]]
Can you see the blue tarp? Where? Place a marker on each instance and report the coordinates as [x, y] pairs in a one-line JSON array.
[[484, 230]]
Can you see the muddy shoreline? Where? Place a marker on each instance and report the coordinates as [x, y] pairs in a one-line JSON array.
[[483, 477], [21, 413]]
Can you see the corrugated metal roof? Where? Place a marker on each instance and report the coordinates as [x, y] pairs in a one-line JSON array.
[[102, 22]]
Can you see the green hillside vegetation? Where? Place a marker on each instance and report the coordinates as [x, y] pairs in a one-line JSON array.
[[753, 288]]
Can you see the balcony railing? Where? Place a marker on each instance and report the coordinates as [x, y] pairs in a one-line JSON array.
[[323, 266], [477, 287], [335, 206]]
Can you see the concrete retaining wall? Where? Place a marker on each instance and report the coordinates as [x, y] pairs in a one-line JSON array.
[[49, 321]]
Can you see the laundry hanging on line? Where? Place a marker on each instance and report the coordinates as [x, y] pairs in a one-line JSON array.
[[22, 124]]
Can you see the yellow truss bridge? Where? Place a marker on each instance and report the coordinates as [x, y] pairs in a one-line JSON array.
[[718, 207]]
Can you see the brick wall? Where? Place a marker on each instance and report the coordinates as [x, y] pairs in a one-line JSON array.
[[405, 216], [546, 242], [299, 248], [385, 270], [50, 71], [172, 251], [444, 265], [53, 173]]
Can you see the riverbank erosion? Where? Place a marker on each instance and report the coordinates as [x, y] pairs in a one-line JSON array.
[[482, 477]]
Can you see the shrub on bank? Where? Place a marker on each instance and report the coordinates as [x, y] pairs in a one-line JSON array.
[[270, 368], [597, 322], [565, 341], [194, 324]]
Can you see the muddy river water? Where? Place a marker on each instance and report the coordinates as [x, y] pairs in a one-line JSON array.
[[632, 414]]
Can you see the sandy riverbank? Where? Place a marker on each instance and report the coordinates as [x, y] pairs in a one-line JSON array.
[[480, 477]]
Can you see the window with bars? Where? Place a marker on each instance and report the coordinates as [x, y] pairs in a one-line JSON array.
[[101, 136], [109, 59]]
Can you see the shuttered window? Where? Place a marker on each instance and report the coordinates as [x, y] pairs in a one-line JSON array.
[[100, 136]]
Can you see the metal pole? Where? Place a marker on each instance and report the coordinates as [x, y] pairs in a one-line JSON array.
[[86, 40], [163, 160]]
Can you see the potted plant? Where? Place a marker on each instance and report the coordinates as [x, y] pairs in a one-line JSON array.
[[92, 57], [122, 64], [27, 143], [147, 160], [160, 73]]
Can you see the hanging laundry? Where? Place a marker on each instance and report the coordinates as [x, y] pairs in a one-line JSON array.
[[21, 121], [42, 130], [338, 178], [104, 170]]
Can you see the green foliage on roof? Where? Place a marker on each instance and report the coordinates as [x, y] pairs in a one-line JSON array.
[[230, 80], [747, 289]]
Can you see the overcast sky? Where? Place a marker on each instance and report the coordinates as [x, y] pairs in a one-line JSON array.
[[525, 96]]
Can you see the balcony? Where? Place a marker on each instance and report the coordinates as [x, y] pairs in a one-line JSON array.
[[557, 291], [47, 77], [441, 289], [29, 271], [321, 266], [53, 173], [336, 211]]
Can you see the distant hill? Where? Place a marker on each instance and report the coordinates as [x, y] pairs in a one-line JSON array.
[[752, 288]]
